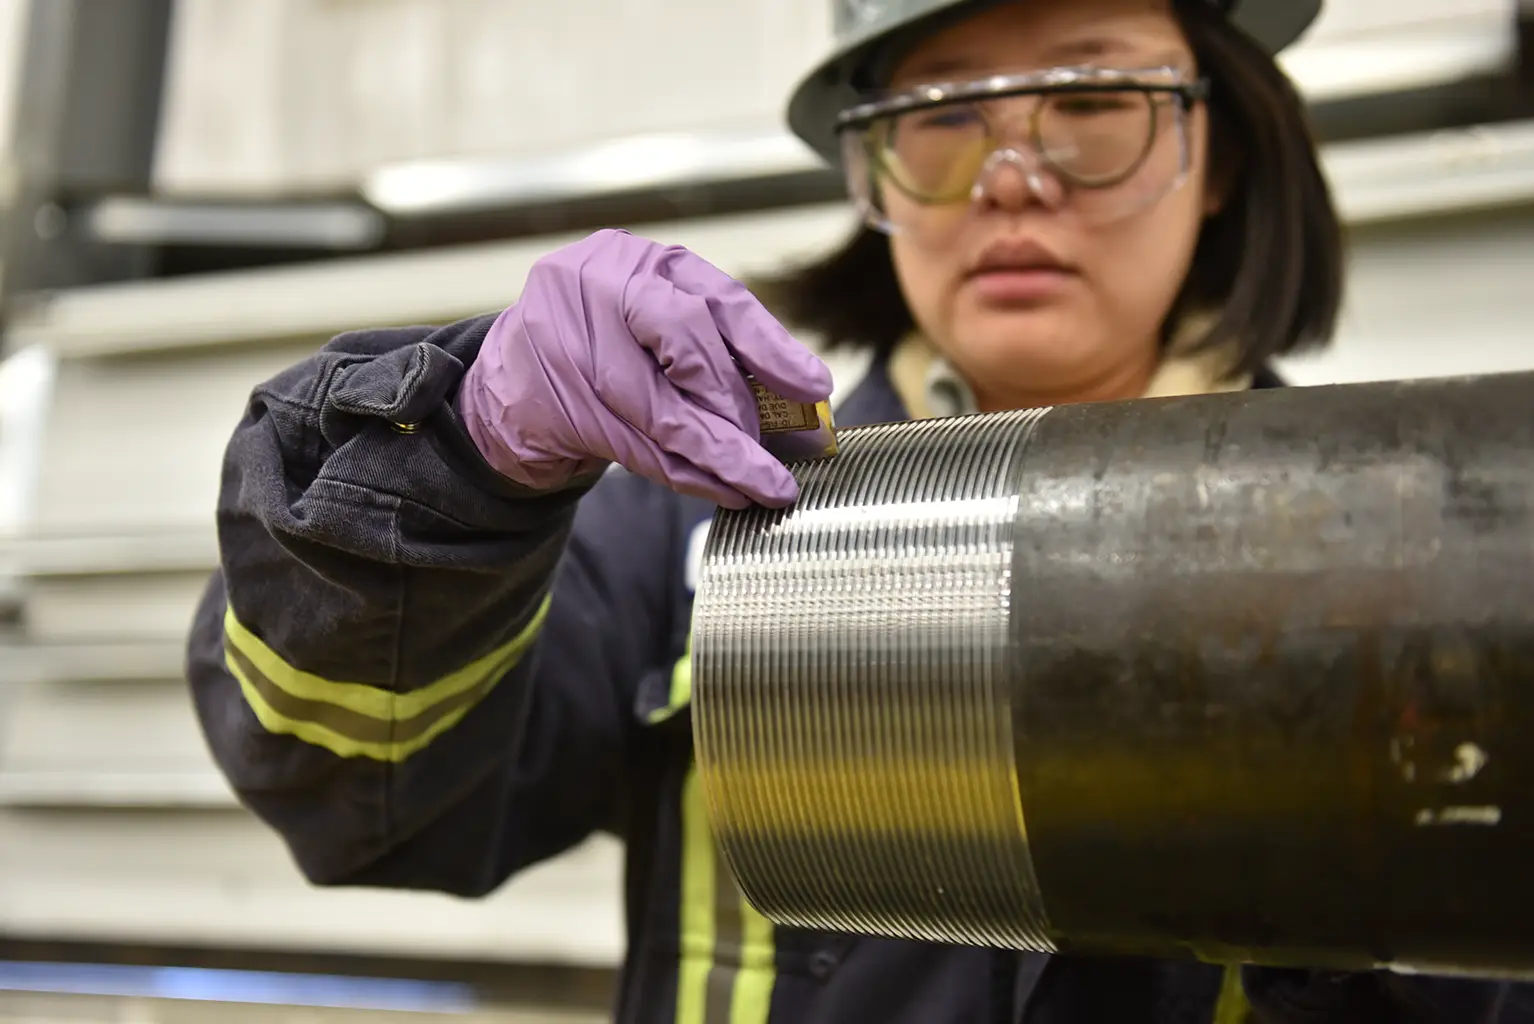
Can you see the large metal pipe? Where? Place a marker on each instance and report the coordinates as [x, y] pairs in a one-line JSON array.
[[1244, 677]]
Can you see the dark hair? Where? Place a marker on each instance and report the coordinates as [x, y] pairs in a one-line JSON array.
[[1269, 265]]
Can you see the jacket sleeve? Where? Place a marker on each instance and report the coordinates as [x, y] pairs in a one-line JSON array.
[[416, 673]]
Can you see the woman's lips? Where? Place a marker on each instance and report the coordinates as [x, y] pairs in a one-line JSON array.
[[1012, 286]]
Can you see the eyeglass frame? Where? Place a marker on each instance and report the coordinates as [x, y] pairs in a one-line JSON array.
[[1065, 80]]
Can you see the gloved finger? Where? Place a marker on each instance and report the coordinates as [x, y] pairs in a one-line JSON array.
[[631, 449], [724, 469], [755, 337], [668, 421], [679, 330]]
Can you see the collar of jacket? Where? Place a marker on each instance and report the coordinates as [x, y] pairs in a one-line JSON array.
[[928, 386]]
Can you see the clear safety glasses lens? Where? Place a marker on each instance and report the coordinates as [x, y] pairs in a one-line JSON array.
[[1102, 144]]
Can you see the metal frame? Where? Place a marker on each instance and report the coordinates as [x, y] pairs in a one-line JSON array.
[[1523, 14], [86, 124], [1433, 173]]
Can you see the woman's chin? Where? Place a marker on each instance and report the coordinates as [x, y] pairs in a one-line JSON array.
[[1032, 359], [1038, 342]]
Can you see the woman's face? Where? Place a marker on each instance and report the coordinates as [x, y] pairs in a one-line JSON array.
[[1092, 328]]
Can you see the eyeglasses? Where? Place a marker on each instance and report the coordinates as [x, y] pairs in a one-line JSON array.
[[1093, 134]]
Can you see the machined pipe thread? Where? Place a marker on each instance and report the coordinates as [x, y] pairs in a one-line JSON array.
[[886, 804]]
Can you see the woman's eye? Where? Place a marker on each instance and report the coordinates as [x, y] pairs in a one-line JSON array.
[[951, 118], [1085, 106]]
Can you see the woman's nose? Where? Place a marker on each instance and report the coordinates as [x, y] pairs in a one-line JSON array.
[[1012, 179]]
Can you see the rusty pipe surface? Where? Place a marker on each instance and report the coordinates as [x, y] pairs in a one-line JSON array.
[[1246, 677]]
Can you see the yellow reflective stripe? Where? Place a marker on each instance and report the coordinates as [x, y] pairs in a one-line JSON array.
[[373, 701], [1233, 1007], [697, 909], [752, 1001], [681, 678], [681, 687], [728, 956], [355, 720], [728, 966]]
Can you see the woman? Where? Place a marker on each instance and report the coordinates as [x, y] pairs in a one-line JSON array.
[[446, 643]]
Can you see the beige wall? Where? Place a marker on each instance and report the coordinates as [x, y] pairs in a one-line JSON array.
[[316, 92], [309, 93]]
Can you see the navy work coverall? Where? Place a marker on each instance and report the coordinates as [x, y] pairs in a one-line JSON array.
[[424, 677]]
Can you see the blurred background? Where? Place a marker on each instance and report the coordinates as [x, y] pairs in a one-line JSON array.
[[194, 193]]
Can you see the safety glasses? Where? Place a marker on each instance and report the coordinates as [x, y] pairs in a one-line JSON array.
[[1104, 142]]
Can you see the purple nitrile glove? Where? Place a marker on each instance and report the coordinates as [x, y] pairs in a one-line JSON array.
[[620, 350]]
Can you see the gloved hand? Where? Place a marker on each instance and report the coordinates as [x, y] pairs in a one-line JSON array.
[[620, 351]]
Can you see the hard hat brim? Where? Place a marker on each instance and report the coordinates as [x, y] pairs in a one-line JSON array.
[[828, 89]]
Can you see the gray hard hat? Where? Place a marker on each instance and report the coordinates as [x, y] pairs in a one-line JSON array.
[[860, 27]]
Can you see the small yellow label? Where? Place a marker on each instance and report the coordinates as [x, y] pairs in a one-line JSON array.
[[779, 415]]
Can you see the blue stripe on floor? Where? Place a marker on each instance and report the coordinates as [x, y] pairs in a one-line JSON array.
[[201, 984]]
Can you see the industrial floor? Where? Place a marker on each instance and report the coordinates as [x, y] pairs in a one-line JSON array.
[[35, 1008]]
